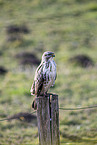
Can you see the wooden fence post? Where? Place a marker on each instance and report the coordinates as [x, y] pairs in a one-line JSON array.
[[48, 119], [55, 120]]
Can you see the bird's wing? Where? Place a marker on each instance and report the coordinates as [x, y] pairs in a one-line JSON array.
[[38, 81]]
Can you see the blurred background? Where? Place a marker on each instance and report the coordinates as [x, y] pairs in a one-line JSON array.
[[69, 29]]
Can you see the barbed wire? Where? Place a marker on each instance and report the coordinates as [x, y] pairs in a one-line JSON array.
[[78, 108], [6, 119], [61, 108]]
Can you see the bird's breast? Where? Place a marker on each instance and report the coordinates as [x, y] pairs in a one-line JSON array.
[[49, 74]]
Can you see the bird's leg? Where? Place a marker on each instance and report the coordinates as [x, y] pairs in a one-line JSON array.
[[34, 105]]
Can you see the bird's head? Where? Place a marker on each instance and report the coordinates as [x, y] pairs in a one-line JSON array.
[[47, 55]]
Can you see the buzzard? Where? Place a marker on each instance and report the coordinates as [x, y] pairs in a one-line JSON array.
[[45, 75]]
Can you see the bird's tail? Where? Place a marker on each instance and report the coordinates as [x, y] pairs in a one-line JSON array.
[[34, 105]]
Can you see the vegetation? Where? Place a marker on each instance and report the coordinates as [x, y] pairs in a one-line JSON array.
[[69, 28]]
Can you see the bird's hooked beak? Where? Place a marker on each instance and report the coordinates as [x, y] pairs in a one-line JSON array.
[[53, 55]]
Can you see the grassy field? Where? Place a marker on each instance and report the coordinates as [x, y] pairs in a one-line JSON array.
[[69, 28]]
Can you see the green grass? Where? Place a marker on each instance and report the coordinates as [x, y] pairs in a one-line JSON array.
[[67, 27]]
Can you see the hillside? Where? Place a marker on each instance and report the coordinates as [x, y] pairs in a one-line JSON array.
[[68, 28]]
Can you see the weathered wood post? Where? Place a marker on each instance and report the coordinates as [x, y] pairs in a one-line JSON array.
[[48, 119], [55, 120], [43, 119]]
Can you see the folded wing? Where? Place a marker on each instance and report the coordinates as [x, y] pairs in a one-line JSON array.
[[38, 81]]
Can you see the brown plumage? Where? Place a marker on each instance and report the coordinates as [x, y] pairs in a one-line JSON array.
[[45, 75]]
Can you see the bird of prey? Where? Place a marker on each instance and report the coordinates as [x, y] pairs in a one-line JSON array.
[[45, 75]]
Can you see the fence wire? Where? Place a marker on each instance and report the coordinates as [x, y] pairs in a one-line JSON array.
[[6, 119], [60, 108], [78, 108]]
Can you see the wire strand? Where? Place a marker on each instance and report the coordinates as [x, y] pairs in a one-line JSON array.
[[18, 117], [61, 108], [79, 108]]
